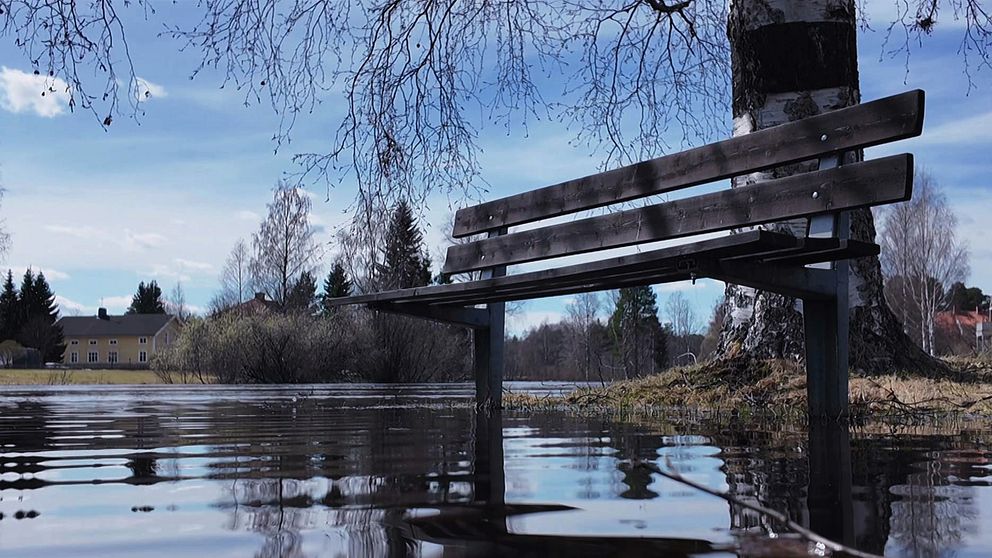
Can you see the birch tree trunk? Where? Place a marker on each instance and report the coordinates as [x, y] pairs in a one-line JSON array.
[[793, 59]]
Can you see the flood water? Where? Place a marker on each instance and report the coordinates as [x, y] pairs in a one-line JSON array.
[[393, 471]]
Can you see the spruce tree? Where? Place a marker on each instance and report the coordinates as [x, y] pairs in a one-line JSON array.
[[336, 285], [303, 294], [10, 316], [27, 301], [405, 264], [39, 329], [639, 340], [148, 299]]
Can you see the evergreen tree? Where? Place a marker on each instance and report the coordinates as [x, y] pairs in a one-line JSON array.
[[40, 312], [336, 285], [10, 316], [303, 294], [148, 299], [639, 340], [967, 299], [405, 264], [27, 301]]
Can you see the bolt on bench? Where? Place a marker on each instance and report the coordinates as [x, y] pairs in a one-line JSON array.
[[813, 268]]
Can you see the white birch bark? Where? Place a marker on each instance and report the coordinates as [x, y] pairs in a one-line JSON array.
[[765, 325]]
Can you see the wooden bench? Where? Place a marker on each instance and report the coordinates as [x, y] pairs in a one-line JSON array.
[[813, 268]]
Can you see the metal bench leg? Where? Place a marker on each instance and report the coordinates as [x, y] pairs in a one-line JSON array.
[[489, 360], [826, 324], [489, 347]]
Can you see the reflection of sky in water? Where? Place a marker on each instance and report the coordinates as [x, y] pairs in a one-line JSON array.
[[377, 470]]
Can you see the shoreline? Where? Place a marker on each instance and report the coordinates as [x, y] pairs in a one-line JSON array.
[[777, 388]]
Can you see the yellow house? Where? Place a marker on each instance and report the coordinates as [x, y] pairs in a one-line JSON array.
[[127, 341]]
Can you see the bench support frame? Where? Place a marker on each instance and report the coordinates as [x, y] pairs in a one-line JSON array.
[[826, 322]]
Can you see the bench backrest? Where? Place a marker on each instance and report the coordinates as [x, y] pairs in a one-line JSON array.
[[824, 191]]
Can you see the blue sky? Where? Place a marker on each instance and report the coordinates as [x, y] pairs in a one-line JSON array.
[[165, 196]]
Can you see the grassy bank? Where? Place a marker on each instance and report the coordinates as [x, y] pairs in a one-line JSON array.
[[78, 377], [778, 387]]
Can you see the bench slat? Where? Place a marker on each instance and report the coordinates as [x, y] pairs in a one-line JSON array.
[[663, 271], [885, 120], [747, 242], [875, 182], [655, 266]]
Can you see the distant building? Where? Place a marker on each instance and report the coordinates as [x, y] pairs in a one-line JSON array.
[[963, 332], [127, 341], [258, 305]]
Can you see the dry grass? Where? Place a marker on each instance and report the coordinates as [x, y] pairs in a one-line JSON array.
[[778, 387], [77, 377]]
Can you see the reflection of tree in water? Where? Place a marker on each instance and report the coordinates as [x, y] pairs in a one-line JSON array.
[[895, 505], [144, 469], [351, 473], [930, 515], [282, 544]]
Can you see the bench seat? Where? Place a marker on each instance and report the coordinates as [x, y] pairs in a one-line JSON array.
[[705, 258]]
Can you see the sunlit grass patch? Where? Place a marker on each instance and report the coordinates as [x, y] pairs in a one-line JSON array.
[[77, 377]]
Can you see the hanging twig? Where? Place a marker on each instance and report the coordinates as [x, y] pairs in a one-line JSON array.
[[778, 516]]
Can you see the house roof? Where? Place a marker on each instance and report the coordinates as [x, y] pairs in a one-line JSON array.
[[950, 319], [257, 305], [128, 324]]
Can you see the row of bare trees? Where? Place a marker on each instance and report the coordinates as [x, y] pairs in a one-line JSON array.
[[298, 335], [631, 342], [283, 250], [922, 257]]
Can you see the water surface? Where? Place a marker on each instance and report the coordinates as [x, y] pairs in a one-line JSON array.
[[354, 470]]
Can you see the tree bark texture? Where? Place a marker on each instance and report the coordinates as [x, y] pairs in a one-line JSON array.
[[793, 59]]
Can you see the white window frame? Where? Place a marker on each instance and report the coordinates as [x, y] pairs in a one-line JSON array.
[[142, 356], [74, 342], [142, 340], [92, 357], [113, 341], [74, 357], [112, 357], [93, 342]]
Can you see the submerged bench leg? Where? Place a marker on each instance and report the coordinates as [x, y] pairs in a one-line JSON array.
[[489, 360], [826, 324]]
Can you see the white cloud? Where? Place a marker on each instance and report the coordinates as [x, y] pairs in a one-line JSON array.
[[130, 241], [113, 304], [688, 285], [193, 265], [971, 207], [116, 304], [181, 269], [87, 233], [140, 241], [882, 13], [145, 90], [51, 274], [246, 215], [971, 130], [69, 307], [529, 319], [23, 92]]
